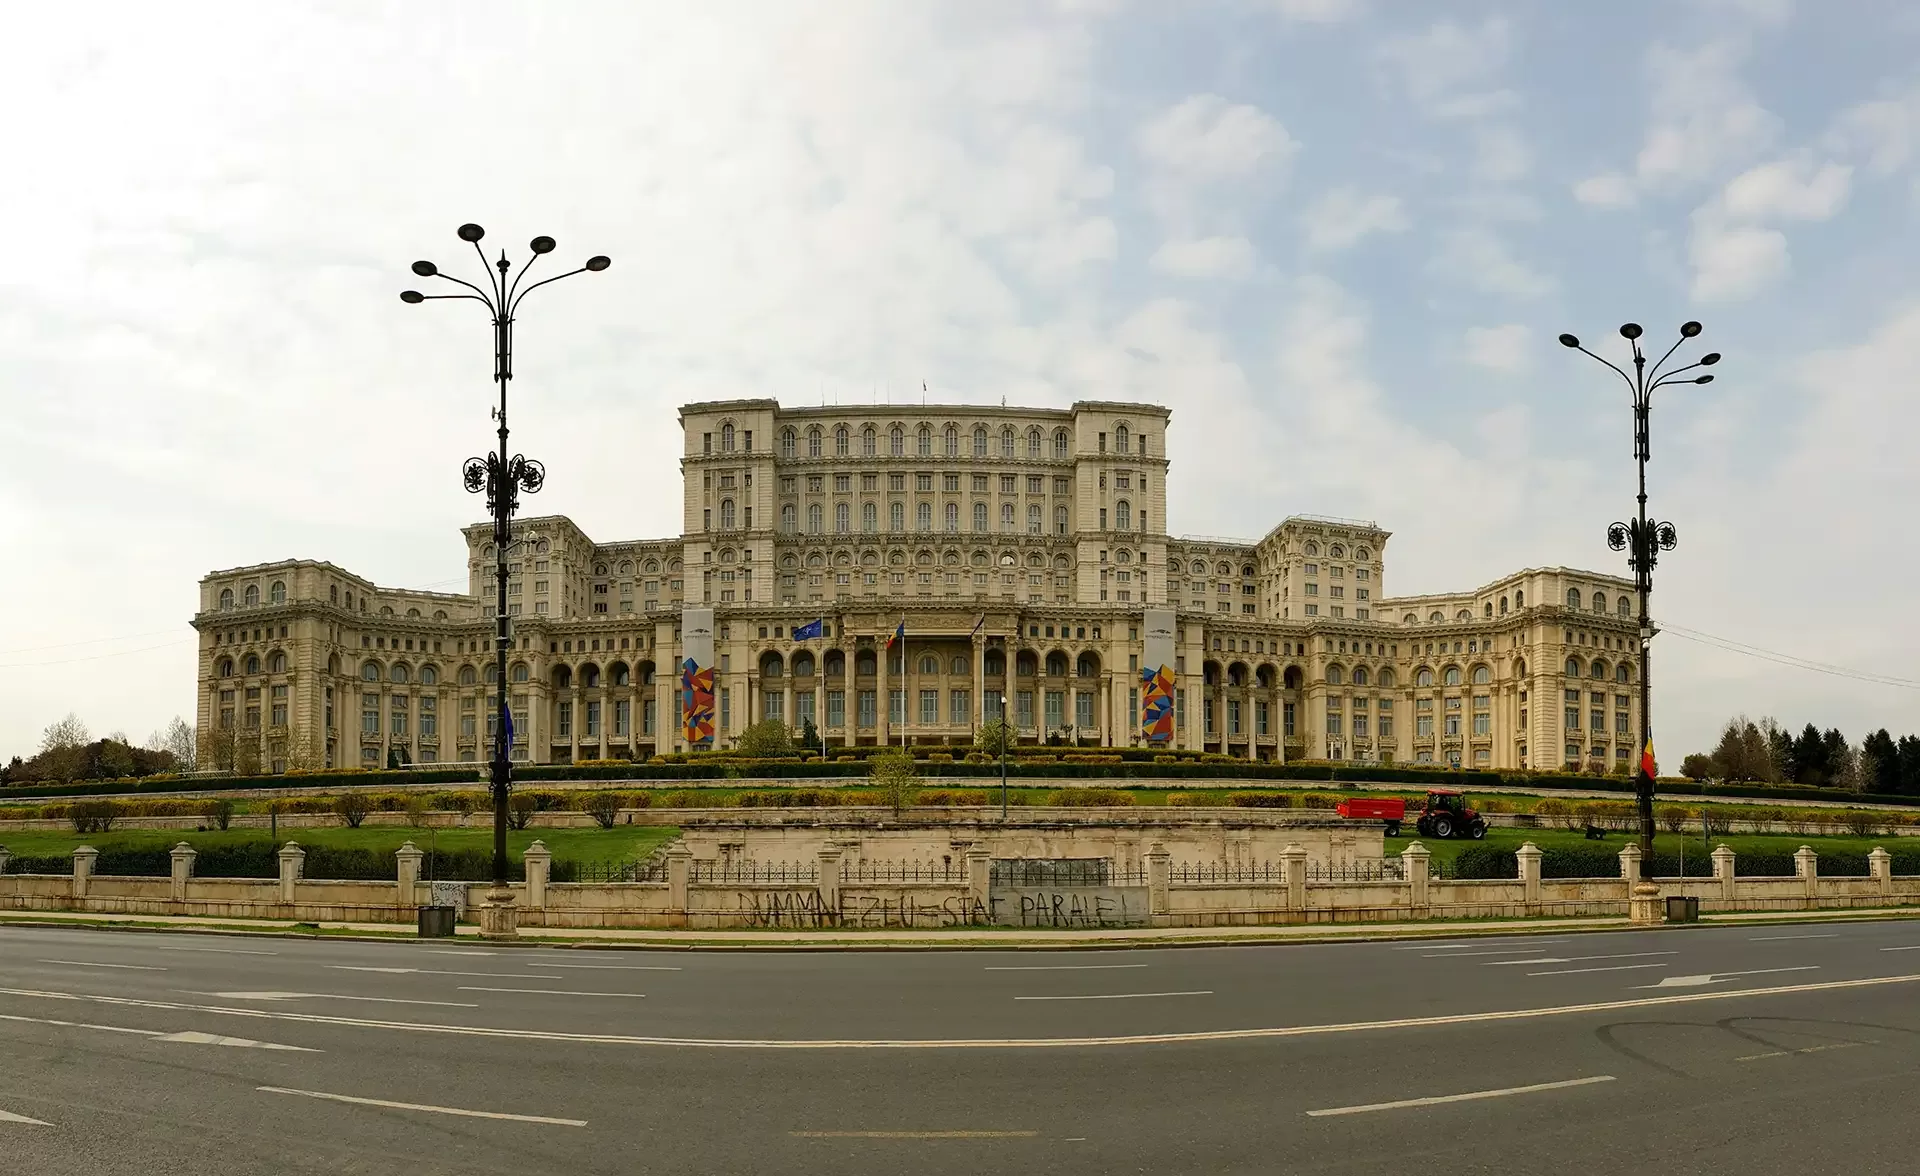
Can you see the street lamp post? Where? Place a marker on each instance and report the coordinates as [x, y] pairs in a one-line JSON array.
[[1003, 757], [503, 479], [1643, 539]]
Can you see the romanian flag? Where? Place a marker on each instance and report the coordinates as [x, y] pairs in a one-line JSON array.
[[1646, 759], [899, 634]]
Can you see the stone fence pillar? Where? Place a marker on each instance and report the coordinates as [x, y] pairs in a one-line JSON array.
[[4, 855], [1529, 856], [679, 870], [84, 857], [407, 858], [829, 883], [1159, 867], [539, 864], [182, 855], [979, 875], [1630, 865], [1806, 867], [1879, 865], [1294, 860], [293, 863], [1723, 871], [1417, 862]]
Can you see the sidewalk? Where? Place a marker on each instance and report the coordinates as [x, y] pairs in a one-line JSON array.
[[963, 938]]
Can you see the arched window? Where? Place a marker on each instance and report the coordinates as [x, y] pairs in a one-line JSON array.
[[726, 438], [960, 667], [1626, 607], [253, 595], [1006, 516], [813, 442], [726, 514], [789, 518], [224, 669], [1335, 675], [1573, 667], [995, 664], [980, 441], [1573, 598], [1598, 669], [398, 673], [1503, 606], [276, 662], [1359, 675], [869, 517], [1060, 519], [226, 598], [1033, 520], [923, 442], [923, 516], [842, 518], [253, 663], [1059, 442], [813, 519], [863, 663], [1088, 666], [951, 441], [1006, 441], [897, 442], [1388, 679], [1423, 678], [370, 671], [278, 593], [1033, 442], [1519, 600], [840, 441], [1482, 675], [1599, 602], [1489, 612], [1119, 438], [929, 664], [1451, 677], [1463, 615], [1436, 617], [867, 446], [896, 516], [618, 674], [1122, 516], [953, 516], [979, 516], [467, 676], [786, 444], [1623, 673], [429, 676], [1056, 664]]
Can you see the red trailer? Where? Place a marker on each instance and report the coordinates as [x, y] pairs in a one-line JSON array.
[[1390, 809]]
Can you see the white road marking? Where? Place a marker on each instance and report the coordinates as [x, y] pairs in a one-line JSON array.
[[1469, 943], [1463, 955], [1453, 1098], [1608, 968], [459, 951], [616, 967], [1910, 947], [10, 1117], [920, 1135], [157, 1035], [222, 950], [1628, 955], [1717, 977], [1204, 1035], [1058, 967], [405, 1106], [333, 996], [1118, 995], [194, 1037], [548, 991], [433, 972], [1784, 938], [80, 1025], [91, 964], [1811, 1049]]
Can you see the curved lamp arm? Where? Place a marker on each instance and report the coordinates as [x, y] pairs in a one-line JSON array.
[[515, 304]]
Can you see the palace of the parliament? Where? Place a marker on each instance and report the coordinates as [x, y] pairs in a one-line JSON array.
[[1020, 553]]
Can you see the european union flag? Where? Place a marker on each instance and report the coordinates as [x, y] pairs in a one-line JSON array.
[[808, 631], [506, 717]]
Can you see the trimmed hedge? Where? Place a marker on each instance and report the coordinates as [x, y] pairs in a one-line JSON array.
[[260, 859]]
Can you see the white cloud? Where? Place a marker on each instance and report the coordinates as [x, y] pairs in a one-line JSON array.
[[1704, 120], [1884, 130], [1787, 189], [1501, 156], [1733, 252], [1444, 69], [1607, 190], [1343, 217], [1208, 257], [1205, 139], [1508, 349], [1318, 11], [1733, 262], [1479, 259]]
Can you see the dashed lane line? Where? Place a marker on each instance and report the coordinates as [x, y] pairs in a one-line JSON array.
[[1470, 1096], [1606, 968], [436, 972], [93, 964], [549, 991], [1811, 1049], [184, 1038], [916, 1135], [1785, 938], [407, 1106], [1625, 955], [1059, 967], [1117, 995]]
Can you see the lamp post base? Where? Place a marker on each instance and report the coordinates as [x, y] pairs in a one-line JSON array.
[[1643, 905], [499, 919]]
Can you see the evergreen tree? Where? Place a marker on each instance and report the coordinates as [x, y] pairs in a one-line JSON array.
[[1880, 762]]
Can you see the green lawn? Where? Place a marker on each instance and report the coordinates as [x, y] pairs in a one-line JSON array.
[[1664, 842], [620, 843]]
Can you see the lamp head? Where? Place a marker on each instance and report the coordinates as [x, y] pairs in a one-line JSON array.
[[1569, 341], [471, 232], [425, 269], [599, 262], [1706, 379], [412, 297], [1709, 359], [1630, 331], [1689, 329], [542, 245]]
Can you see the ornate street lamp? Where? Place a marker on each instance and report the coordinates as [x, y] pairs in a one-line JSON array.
[[1643, 539], [503, 479]]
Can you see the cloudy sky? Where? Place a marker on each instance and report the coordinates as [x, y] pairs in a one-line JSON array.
[[1338, 237]]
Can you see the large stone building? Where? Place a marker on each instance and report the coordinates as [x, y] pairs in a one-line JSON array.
[[1020, 551]]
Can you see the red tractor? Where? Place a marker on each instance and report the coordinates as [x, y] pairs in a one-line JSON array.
[[1446, 814]]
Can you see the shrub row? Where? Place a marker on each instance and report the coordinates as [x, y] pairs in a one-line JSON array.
[[259, 859]]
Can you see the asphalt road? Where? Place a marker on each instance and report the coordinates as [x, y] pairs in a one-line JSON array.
[[1755, 1050]]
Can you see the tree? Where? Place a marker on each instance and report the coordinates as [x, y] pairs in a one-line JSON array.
[[219, 748], [1908, 754], [1780, 748], [61, 749], [1697, 767], [65, 734], [1745, 751], [764, 740], [417, 806], [1843, 768], [1807, 758], [809, 735], [896, 778], [352, 807], [996, 736], [1880, 762], [301, 752]]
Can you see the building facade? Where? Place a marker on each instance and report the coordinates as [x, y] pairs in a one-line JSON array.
[[1018, 554]]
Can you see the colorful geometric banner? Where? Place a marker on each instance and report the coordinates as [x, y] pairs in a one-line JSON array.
[[1156, 704], [696, 702]]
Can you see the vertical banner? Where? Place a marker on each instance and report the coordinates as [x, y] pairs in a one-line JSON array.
[[696, 677], [1157, 677]]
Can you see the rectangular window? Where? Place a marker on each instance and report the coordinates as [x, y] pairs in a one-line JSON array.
[[1573, 718], [803, 712], [1056, 709], [1621, 723], [1598, 720], [398, 719], [1313, 610], [563, 725], [1482, 724], [1286, 719], [429, 719], [466, 727], [593, 720], [1359, 726], [1423, 726], [923, 481], [1334, 722], [868, 709], [1180, 709], [1206, 713], [1233, 716], [836, 708], [960, 707], [622, 717], [1023, 710], [773, 704], [1260, 725], [929, 707], [1083, 712], [1386, 719], [896, 706], [369, 714], [646, 716]]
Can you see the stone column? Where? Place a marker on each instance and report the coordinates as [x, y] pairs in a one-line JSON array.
[[1103, 711], [1294, 860], [84, 858], [606, 720], [1806, 867], [1220, 710], [407, 859], [539, 863], [539, 742], [182, 855], [881, 713], [1416, 860], [1158, 867], [979, 713], [829, 884], [1879, 865], [679, 869], [293, 862], [1249, 723], [787, 703], [579, 721], [1723, 872], [1529, 856]]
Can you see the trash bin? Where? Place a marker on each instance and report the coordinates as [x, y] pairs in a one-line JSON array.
[[436, 922], [1680, 909]]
